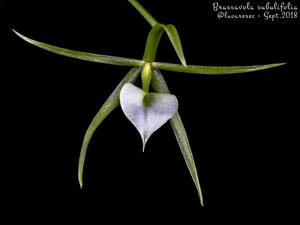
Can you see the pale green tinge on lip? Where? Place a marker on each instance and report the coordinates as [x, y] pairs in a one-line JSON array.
[[110, 104]]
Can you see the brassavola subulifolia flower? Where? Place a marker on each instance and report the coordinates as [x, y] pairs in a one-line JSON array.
[[147, 111]]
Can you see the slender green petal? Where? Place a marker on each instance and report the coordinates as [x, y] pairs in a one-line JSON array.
[[212, 70], [159, 85], [150, 19], [113, 60], [147, 111], [169, 28], [186, 151], [154, 38], [152, 43], [175, 40], [110, 104]]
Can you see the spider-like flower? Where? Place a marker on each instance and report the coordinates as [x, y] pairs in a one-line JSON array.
[[148, 111]]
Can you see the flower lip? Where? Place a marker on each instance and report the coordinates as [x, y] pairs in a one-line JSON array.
[[147, 111]]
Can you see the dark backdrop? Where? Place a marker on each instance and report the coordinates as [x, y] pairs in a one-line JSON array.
[[243, 129]]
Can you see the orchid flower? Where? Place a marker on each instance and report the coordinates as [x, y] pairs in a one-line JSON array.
[[147, 111]]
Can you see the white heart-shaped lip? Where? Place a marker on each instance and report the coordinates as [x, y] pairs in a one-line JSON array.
[[147, 111]]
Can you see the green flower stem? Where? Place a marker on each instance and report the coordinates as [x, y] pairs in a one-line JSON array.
[[155, 35], [143, 12]]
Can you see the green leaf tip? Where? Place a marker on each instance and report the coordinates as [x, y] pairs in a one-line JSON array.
[[110, 104], [92, 57]]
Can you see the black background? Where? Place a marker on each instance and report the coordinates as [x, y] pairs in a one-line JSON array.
[[243, 129]]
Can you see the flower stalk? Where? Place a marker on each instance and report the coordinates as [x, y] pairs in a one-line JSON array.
[[143, 12]]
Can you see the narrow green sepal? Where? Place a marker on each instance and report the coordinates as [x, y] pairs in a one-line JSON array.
[[175, 40], [159, 85], [110, 104], [157, 31], [106, 59], [213, 70], [154, 38], [152, 43]]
